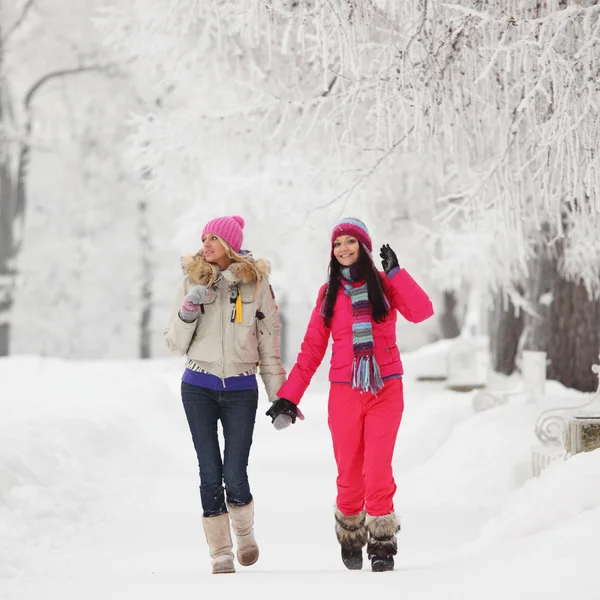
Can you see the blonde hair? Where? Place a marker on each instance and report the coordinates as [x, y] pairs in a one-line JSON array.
[[235, 257]]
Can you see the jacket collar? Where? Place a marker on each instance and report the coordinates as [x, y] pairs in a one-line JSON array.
[[200, 272]]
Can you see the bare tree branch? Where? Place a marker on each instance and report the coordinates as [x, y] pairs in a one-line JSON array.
[[348, 191], [329, 87], [25, 144], [420, 28], [22, 18], [62, 73]]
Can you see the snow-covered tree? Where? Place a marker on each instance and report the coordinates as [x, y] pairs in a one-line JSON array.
[[505, 97], [250, 121], [516, 104], [323, 103], [68, 207]]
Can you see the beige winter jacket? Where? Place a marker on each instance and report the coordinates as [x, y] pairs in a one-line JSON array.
[[215, 343]]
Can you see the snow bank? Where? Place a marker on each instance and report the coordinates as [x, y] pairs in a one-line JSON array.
[[564, 491], [98, 487], [70, 434]]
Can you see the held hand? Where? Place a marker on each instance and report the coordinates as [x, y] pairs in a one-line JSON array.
[[283, 413], [191, 303], [389, 260]]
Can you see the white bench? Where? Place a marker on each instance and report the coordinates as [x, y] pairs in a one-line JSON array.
[[565, 431]]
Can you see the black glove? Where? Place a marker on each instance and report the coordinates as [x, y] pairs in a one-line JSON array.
[[283, 413], [389, 260]]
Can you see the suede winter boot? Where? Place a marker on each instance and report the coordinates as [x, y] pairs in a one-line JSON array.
[[218, 536], [352, 536], [242, 523], [382, 545]]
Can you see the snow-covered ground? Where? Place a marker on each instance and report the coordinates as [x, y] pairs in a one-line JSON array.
[[99, 496]]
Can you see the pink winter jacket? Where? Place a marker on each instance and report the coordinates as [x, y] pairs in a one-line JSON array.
[[404, 294]]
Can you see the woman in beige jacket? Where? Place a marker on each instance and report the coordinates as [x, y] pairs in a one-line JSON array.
[[225, 321]]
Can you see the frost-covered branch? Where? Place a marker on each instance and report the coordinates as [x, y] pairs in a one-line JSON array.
[[28, 6], [504, 99], [59, 74], [370, 172]]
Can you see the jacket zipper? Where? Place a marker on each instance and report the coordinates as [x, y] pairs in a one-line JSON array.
[[223, 350]]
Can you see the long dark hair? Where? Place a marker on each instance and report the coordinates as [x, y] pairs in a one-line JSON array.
[[367, 271]]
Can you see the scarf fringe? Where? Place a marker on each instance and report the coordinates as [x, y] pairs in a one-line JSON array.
[[366, 375]]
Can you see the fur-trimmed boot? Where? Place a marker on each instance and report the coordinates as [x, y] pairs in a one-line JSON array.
[[382, 545], [242, 523], [352, 536], [218, 536]]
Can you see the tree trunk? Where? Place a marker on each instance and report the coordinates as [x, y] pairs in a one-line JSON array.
[[574, 341], [539, 286], [12, 225], [147, 275], [8, 203], [7, 274], [506, 328], [449, 325]]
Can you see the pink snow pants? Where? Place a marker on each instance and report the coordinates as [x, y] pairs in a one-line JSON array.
[[364, 429]]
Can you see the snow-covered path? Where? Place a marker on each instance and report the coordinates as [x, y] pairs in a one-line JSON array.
[[98, 497]]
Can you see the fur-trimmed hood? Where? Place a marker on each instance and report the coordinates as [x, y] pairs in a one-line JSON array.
[[199, 271]]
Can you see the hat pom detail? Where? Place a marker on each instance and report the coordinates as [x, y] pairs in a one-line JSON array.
[[239, 220]]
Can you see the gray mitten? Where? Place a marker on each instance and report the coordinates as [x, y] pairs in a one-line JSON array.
[[192, 303], [283, 413], [282, 421]]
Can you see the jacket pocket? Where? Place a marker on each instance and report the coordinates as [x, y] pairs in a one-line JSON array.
[[248, 306], [342, 356], [387, 355], [245, 343]]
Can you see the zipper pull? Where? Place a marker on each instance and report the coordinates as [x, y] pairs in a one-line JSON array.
[[238, 309]]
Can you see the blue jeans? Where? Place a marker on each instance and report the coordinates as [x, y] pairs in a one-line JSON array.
[[237, 412]]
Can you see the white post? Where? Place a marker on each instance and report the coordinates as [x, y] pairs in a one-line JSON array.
[[534, 374]]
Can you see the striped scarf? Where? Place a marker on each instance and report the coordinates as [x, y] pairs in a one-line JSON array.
[[366, 376]]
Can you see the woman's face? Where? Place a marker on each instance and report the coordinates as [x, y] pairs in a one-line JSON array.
[[214, 251], [346, 249]]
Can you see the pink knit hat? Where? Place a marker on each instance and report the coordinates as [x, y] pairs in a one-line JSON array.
[[228, 228], [355, 228]]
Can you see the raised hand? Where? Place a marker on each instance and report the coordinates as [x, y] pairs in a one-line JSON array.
[[389, 260], [192, 302]]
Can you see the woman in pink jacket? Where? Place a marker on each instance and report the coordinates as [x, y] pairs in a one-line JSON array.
[[357, 307]]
